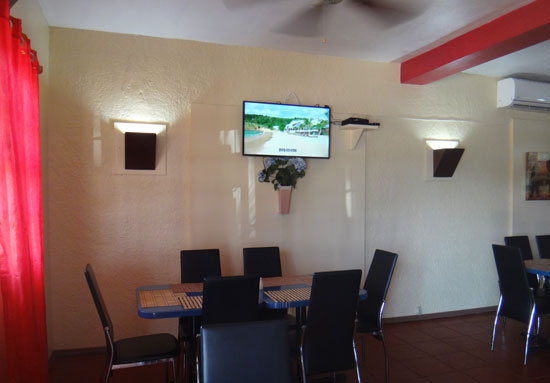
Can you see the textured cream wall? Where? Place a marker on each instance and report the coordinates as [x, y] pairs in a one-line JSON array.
[[131, 228]]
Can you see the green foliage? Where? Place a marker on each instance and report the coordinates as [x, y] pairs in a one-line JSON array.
[[282, 171]]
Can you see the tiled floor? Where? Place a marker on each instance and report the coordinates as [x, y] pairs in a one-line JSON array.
[[440, 350]]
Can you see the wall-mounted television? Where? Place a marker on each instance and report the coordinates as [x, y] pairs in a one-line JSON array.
[[284, 130]]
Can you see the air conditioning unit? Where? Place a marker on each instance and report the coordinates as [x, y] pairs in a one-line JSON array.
[[513, 92]]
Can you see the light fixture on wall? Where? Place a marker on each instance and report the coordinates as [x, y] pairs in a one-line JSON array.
[[139, 147], [446, 156]]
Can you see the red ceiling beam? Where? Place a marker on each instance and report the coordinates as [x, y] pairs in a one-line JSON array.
[[526, 26]]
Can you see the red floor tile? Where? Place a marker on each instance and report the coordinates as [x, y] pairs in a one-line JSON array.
[[427, 366], [435, 347]]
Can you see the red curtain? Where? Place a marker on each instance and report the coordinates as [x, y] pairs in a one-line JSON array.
[[24, 347]]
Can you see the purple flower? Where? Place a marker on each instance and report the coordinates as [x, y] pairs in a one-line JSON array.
[[269, 161], [299, 163], [262, 176]]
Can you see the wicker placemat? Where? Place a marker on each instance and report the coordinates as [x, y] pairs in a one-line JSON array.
[[186, 287], [190, 302], [285, 281], [289, 295], [157, 298]]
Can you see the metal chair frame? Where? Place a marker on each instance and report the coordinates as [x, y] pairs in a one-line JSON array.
[[304, 380], [379, 333], [108, 330], [380, 256], [529, 328], [110, 366], [523, 308]]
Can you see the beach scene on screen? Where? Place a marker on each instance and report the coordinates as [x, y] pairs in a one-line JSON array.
[[286, 130]]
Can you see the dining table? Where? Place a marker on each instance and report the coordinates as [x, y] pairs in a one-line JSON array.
[[185, 299], [538, 266]]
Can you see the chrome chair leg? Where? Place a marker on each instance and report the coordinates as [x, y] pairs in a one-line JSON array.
[[108, 369], [197, 351], [302, 354], [356, 362], [174, 371], [387, 361], [529, 328], [496, 323]]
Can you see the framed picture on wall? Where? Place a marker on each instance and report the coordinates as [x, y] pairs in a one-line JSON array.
[[537, 176]]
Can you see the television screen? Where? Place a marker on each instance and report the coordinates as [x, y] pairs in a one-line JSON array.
[[282, 130]]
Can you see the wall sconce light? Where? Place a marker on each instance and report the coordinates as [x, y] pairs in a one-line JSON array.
[[446, 156], [141, 148]]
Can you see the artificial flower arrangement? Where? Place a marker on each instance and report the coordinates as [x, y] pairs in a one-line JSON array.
[[282, 171]]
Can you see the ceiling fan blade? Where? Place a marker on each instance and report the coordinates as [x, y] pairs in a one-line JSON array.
[[307, 23], [393, 13]]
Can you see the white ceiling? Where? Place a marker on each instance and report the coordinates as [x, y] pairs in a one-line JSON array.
[[345, 29]]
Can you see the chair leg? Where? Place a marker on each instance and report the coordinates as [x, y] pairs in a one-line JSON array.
[[302, 353], [387, 361], [174, 371], [496, 323], [108, 370], [356, 362], [197, 366], [529, 334]]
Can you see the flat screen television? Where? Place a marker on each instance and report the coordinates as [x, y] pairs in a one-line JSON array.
[[284, 130]]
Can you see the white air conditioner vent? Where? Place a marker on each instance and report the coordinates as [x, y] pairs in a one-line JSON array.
[[513, 92]]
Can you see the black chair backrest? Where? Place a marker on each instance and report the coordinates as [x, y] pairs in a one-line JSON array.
[[517, 297], [543, 244], [199, 264], [262, 261], [246, 352], [230, 299], [328, 340], [521, 241], [377, 284], [98, 300]]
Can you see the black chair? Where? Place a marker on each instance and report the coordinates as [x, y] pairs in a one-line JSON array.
[[517, 300], [262, 261], [327, 342], [199, 264], [247, 352], [265, 262], [230, 299], [369, 311], [195, 266], [131, 352], [522, 242], [543, 244]]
